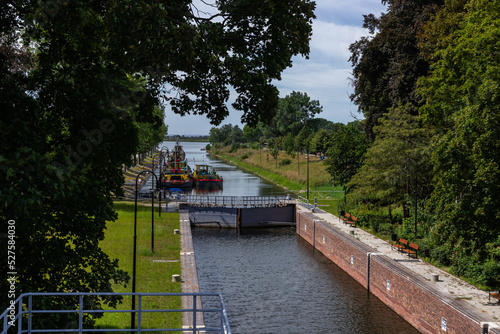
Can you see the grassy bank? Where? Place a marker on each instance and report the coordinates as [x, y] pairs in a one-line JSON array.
[[287, 172], [151, 276]]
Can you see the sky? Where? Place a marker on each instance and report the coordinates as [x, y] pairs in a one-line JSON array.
[[324, 76]]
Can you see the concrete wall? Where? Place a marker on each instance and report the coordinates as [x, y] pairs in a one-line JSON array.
[[407, 293], [250, 217]]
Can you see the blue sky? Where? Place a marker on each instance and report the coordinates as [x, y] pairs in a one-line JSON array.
[[324, 76]]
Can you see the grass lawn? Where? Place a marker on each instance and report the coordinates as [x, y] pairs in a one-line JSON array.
[[289, 173], [151, 276]]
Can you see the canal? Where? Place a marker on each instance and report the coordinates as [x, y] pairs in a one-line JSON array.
[[272, 281]]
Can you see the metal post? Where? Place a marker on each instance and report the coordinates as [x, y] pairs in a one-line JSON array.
[[415, 201], [194, 313], [134, 261], [159, 203], [152, 218], [307, 176]]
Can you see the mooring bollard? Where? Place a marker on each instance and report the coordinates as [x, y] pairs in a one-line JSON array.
[[176, 231], [176, 278], [434, 277]]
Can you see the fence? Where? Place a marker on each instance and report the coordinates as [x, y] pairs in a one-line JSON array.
[[21, 321], [238, 201]]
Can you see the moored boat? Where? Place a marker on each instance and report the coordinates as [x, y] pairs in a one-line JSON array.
[[205, 177], [176, 173]]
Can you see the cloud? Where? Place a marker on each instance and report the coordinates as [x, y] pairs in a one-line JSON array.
[[331, 40]]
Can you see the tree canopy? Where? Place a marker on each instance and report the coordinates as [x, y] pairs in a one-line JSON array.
[[462, 102], [388, 65], [82, 82]]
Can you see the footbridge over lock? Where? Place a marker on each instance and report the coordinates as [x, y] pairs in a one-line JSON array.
[[239, 211]]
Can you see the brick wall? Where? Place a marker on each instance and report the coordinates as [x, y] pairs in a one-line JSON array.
[[407, 293]]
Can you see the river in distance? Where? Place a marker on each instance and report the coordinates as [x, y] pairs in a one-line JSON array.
[[272, 281]]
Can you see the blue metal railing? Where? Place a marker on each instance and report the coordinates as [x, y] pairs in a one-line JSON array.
[[23, 310]]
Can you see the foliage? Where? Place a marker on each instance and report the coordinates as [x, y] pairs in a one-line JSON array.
[[226, 135], [462, 101], [396, 164], [388, 65], [87, 82], [285, 162], [294, 110], [345, 155]]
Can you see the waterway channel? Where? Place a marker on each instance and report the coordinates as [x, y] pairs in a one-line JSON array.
[[272, 281]]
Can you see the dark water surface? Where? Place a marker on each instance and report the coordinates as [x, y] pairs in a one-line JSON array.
[[274, 282]]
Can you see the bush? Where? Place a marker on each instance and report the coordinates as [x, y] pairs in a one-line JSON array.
[[285, 162], [244, 156], [234, 147]]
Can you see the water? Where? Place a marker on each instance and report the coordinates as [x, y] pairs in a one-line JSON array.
[[274, 282], [236, 181]]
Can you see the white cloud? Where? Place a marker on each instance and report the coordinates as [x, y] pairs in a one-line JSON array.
[[332, 40]]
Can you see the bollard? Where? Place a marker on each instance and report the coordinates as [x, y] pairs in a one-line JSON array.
[[434, 277], [176, 278], [176, 231]]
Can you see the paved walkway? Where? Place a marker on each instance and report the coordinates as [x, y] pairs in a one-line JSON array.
[[455, 287]]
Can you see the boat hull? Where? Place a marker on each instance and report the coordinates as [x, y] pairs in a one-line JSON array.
[[214, 184], [176, 184]]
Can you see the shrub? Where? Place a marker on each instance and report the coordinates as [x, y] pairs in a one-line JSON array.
[[244, 156], [285, 162]]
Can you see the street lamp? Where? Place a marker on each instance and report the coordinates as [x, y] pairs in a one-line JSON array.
[[307, 158], [135, 238]]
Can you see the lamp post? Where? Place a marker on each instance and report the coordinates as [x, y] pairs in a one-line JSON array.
[[307, 158], [132, 320]]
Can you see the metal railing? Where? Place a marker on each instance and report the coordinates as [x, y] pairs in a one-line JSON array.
[[19, 315], [238, 201]]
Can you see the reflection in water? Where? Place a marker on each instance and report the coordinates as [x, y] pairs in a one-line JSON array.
[[274, 282], [236, 181]]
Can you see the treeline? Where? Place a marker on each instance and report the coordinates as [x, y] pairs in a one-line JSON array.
[[426, 163], [294, 129]]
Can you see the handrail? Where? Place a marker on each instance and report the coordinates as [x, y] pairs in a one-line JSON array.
[[24, 306], [238, 201]]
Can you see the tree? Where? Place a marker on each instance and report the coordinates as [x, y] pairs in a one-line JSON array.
[[321, 141], [462, 103], [396, 164], [294, 111], [345, 155], [74, 97], [251, 134], [388, 65]]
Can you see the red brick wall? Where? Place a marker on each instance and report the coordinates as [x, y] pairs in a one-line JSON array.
[[410, 295]]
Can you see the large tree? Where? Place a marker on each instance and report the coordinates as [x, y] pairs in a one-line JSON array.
[[72, 97], [294, 111], [345, 155], [462, 103], [397, 163], [388, 65]]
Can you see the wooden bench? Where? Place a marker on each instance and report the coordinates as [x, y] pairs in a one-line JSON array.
[[494, 295], [403, 243], [353, 221], [346, 218], [411, 249], [349, 219]]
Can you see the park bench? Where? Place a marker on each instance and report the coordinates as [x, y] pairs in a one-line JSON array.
[[353, 221], [350, 219], [494, 295], [402, 244], [411, 249], [346, 218]]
